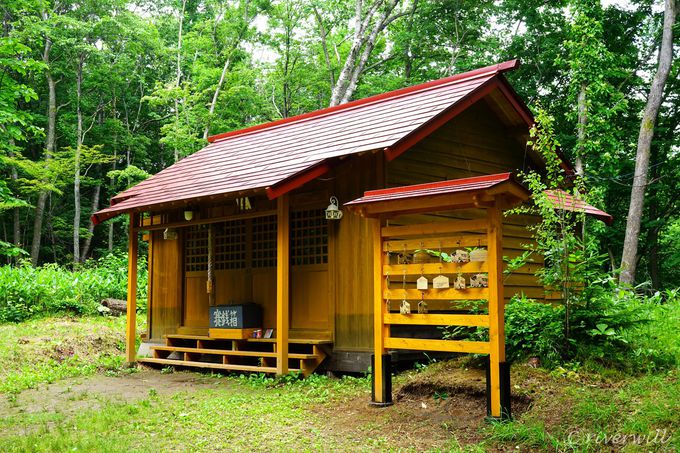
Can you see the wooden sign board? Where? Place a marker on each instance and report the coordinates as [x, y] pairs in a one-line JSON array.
[[242, 316]]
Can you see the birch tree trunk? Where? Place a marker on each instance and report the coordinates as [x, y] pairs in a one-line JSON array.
[[90, 226], [76, 175], [581, 141], [366, 31], [640, 178], [50, 141], [227, 64], [581, 130], [216, 95], [178, 77]]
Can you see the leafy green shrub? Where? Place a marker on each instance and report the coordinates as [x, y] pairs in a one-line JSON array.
[[26, 292], [534, 329], [616, 329]]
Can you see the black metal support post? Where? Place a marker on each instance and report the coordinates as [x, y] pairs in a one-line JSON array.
[[386, 390], [506, 396]]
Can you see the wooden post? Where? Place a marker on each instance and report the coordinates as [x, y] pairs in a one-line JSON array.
[[282, 283], [379, 309], [496, 306], [131, 326]]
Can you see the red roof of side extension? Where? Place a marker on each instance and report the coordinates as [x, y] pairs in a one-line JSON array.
[[282, 155], [559, 198], [434, 188], [563, 200]]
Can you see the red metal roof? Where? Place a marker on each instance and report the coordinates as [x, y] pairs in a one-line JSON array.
[[559, 198], [563, 200], [434, 188], [282, 155]]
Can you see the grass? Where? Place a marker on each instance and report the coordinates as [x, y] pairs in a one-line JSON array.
[[627, 413], [233, 417], [49, 349], [572, 408]]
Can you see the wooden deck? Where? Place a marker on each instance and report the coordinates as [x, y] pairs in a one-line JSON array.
[[250, 355]]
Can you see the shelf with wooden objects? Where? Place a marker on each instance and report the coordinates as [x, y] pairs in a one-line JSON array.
[[404, 292]]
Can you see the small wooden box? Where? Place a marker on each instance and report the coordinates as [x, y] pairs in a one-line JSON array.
[[231, 334]]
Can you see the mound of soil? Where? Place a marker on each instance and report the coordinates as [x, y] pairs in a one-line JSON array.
[[446, 401]]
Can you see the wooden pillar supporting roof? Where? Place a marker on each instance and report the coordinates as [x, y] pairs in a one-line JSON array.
[[282, 283], [131, 323], [496, 305], [380, 330]]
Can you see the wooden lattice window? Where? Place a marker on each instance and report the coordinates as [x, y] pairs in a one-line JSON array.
[[230, 245], [308, 237], [264, 242], [196, 248]]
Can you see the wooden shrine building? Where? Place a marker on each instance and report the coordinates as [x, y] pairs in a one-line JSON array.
[[251, 269]]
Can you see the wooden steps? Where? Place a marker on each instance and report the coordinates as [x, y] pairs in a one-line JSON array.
[[215, 366], [251, 355], [290, 341], [228, 352]]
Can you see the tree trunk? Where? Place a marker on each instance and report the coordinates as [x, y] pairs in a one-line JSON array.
[[216, 95], [369, 45], [117, 307], [16, 212], [76, 175], [408, 52], [581, 130], [179, 69], [50, 142], [90, 226], [323, 34], [365, 37], [581, 142], [343, 79], [112, 187], [651, 112]]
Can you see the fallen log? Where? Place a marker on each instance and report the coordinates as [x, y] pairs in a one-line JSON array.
[[117, 307]]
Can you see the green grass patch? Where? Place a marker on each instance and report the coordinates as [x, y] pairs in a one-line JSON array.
[[49, 349], [237, 416]]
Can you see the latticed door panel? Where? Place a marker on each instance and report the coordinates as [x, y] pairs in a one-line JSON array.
[[308, 238], [231, 245], [196, 249], [263, 242]]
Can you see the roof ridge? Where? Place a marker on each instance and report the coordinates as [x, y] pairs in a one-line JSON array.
[[438, 184], [470, 75]]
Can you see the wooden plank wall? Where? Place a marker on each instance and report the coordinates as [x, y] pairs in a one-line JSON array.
[[352, 244], [474, 143], [165, 298]]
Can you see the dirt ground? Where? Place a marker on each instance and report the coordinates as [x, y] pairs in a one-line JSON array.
[[73, 395], [429, 409]]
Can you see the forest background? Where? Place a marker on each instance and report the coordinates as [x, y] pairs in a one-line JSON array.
[[96, 95]]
